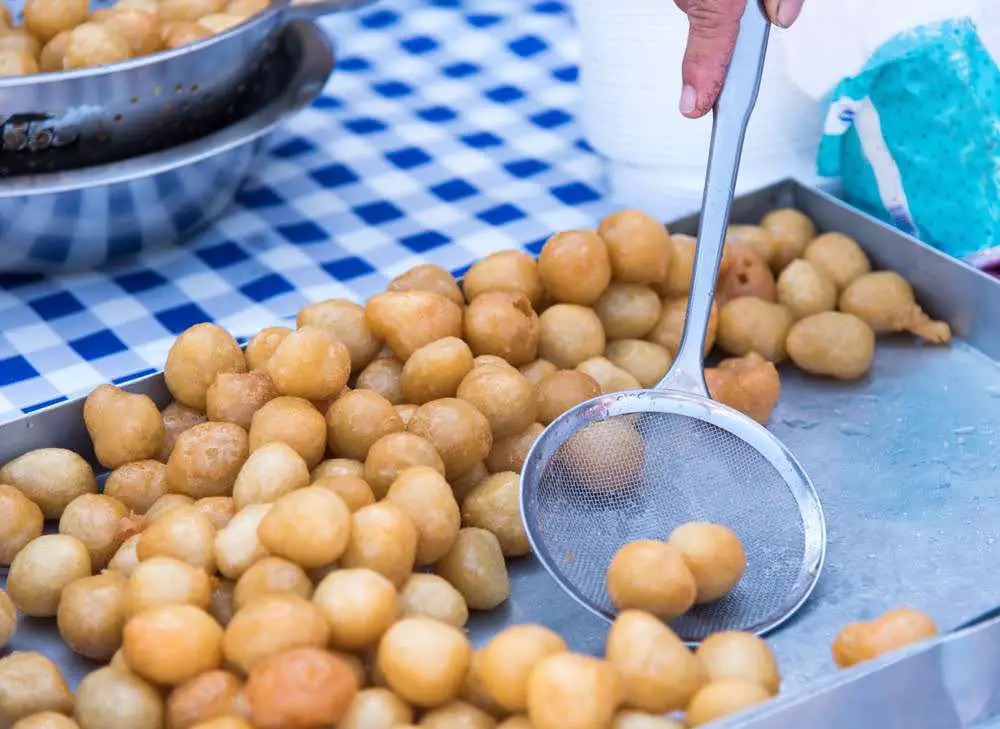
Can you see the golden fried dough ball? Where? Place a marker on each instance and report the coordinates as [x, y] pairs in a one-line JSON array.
[[91, 615], [749, 384], [385, 376], [42, 569], [101, 522], [51, 477], [8, 618], [309, 526], [805, 289], [46, 720], [606, 374], [504, 325], [391, 454], [30, 683], [628, 310], [659, 674], [177, 34], [140, 28], [270, 472], [219, 509], [885, 302], [734, 654], [333, 467], [224, 722], [436, 369], [506, 662], [457, 714], [124, 427], [176, 419], [300, 689], [484, 360], [20, 521], [669, 330], [294, 421], [863, 641], [432, 596], [678, 279], [575, 266], [638, 246], [137, 485], [476, 568], [355, 492], [458, 431], [748, 275], [724, 698], [538, 370], [220, 22], [310, 364], [270, 576], [714, 555], [235, 396], [509, 454], [125, 560], [423, 495], [45, 19], [407, 320], [166, 581], [833, 344], [51, 57], [112, 699], [263, 344], [383, 539], [344, 321], [647, 362], [569, 335], [748, 324], [199, 355], [358, 420], [165, 504], [359, 605], [559, 392], [172, 644], [207, 459], [238, 547], [651, 575], [18, 63], [474, 692], [270, 625], [503, 395], [247, 8], [754, 238], [513, 272], [184, 533], [20, 41], [424, 661], [793, 229], [463, 485], [428, 277], [209, 696], [839, 257], [190, 10], [641, 720], [494, 505], [585, 453], [376, 708], [571, 691]]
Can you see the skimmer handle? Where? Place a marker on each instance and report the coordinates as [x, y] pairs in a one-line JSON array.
[[729, 126]]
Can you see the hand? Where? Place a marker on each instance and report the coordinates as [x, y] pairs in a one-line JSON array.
[[714, 25]]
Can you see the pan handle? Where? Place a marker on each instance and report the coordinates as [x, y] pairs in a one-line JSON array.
[[312, 9]]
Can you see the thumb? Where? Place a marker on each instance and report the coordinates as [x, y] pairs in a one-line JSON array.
[[714, 25]]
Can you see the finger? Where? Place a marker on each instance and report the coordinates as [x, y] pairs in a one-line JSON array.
[[783, 12], [714, 25]]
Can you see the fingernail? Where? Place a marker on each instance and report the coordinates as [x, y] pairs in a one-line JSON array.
[[788, 11], [689, 97]]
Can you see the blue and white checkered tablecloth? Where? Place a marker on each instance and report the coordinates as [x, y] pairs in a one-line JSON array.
[[446, 132]]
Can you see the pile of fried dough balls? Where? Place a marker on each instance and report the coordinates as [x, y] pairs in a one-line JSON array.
[[60, 35], [296, 541]]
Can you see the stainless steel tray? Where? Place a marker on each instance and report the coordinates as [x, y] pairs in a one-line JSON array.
[[903, 461]]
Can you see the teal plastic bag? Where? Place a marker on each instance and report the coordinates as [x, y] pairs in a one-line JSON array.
[[915, 137]]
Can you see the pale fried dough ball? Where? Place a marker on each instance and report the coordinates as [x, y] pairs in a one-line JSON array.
[[669, 329], [423, 495], [269, 576], [385, 376], [723, 698], [270, 472], [220, 22], [508, 454], [504, 325], [42, 569], [435, 370], [638, 246], [628, 310], [357, 420], [585, 454], [185, 534], [272, 624], [333, 467], [376, 708], [490, 359], [494, 505], [559, 392], [137, 485], [432, 596], [805, 289], [294, 421], [140, 28], [91, 615], [885, 302], [207, 459], [209, 696], [30, 683], [359, 605], [424, 660], [238, 547], [714, 555], [463, 485], [189, 9], [864, 640], [569, 335], [219, 509], [407, 320], [124, 427], [749, 384], [651, 575], [46, 720], [310, 527], [647, 362], [748, 275], [793, 229], [571, 691], [235, 396], [199, 355], [474, 692], [20, 521], [383, 539], [300, 689], [172, 644], [101, 522], [503, 395], [176, 419], [310, 364], [394, 453], [833, 344], [748, 324], [51, 57], [262, 345], [165, 504], [20, 41], [610, 377], [734, 654], [428, 277], [457, 430], [513, 272], [125, 560], [51, 477], [659, 674], [476, 568], [575, 267], [113, 699], [344, 321], [166, 581], [506, 662], [44, 19], [8, 619], [457, 714], [754, 238], [839, 257], [538, 370], [17, 63], [355, 491]]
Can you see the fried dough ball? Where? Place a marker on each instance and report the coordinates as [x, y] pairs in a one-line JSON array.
[[432, 596], [504, 325], [20, 41], [344, 321], [200, 353], [833, 344], [458, 431], [30, 683], [748, 324], [224, 722], [669, 330], [586, 453], [805, 289], [238, 547], [355, 492], [219, 509], [839, 257], [358, 420], [45, 19], [270, 472], [310, 527], [172, 644], [246, 8], [207, 459], [333, 467], [383, 539], [628, 310], [141, 29], [714, 555], [125, 560], [166, 581], [755, 239], [506, 662], [642, 720], [474, 692], [503, 395], [18, 63], [270, 625], [638, 246], [220, 22], [659, 674], [575, 266], [42, 569], [513, 272], [46, 720], [494, 505], [310, 364], [376, 708], [793, 229], [748, 275], [863, 641], [385, 376], [457, 714], [176, 419], [270, 576], [262, 345], [165, 504], [99, 522], [476, 568], [8, 618], [359, 605], [124, 427], [572, 691], [209, 696], [394, 453], [647, 362], [435, 370], [651, 575], [462, 486], [428, 277], [749, 384], [407, 320], [294, 421], [51, 57], [509, 454], [235, 396], [569, 335], [538, 370], [137, 485], [885, 302], [423, 495], [424, 661], [734, 654], [185, 534], [91, 615], [563, 390], [50, 477], [300, 689], [20, 521], [606, 374], [190, 10], [6, 18], [724, 698], [678, 279]]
